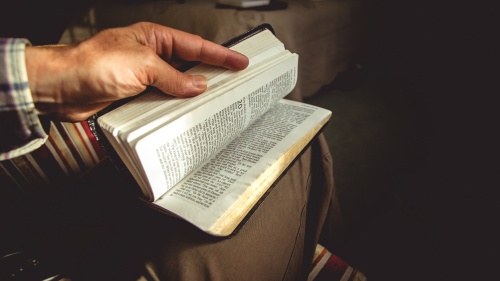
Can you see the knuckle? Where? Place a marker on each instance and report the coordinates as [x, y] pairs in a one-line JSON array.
[[179, 85]]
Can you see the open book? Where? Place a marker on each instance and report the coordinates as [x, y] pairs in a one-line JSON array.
[[209, 159]]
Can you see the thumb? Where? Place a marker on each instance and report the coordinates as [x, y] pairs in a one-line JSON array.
[[179, 84]]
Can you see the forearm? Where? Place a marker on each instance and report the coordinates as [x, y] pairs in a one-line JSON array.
[[72, 82]]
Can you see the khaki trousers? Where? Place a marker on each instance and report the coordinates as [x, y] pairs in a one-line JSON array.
[[101, 232]]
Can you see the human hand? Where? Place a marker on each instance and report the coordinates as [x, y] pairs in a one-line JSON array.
[[72, 82]]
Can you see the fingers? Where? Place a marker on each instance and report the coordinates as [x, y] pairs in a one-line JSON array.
[[190, 47], [171, 45], [215, 54], [171, 81]]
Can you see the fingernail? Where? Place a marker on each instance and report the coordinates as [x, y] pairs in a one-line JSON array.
[[200, 81]]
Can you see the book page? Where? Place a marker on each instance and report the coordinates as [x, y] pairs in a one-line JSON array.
[[127, 124], [171, 152], [252, 160]]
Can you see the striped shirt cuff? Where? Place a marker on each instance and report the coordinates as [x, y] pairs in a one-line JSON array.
[[21, 129]]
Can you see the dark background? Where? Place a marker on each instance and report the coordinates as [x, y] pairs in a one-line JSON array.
[[436, 181], [428, 212]]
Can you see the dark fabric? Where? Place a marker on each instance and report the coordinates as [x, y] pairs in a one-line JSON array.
[[277, 243], [101, 232]]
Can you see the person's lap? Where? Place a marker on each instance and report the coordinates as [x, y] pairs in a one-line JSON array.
[[277, 242], [102, 231]]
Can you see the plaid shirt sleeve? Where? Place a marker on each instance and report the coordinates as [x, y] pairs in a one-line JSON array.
[[20, 128]]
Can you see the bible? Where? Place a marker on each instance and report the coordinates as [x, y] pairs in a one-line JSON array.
[[212, 158]]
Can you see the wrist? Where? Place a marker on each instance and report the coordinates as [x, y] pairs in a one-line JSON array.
[[46, 67]]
